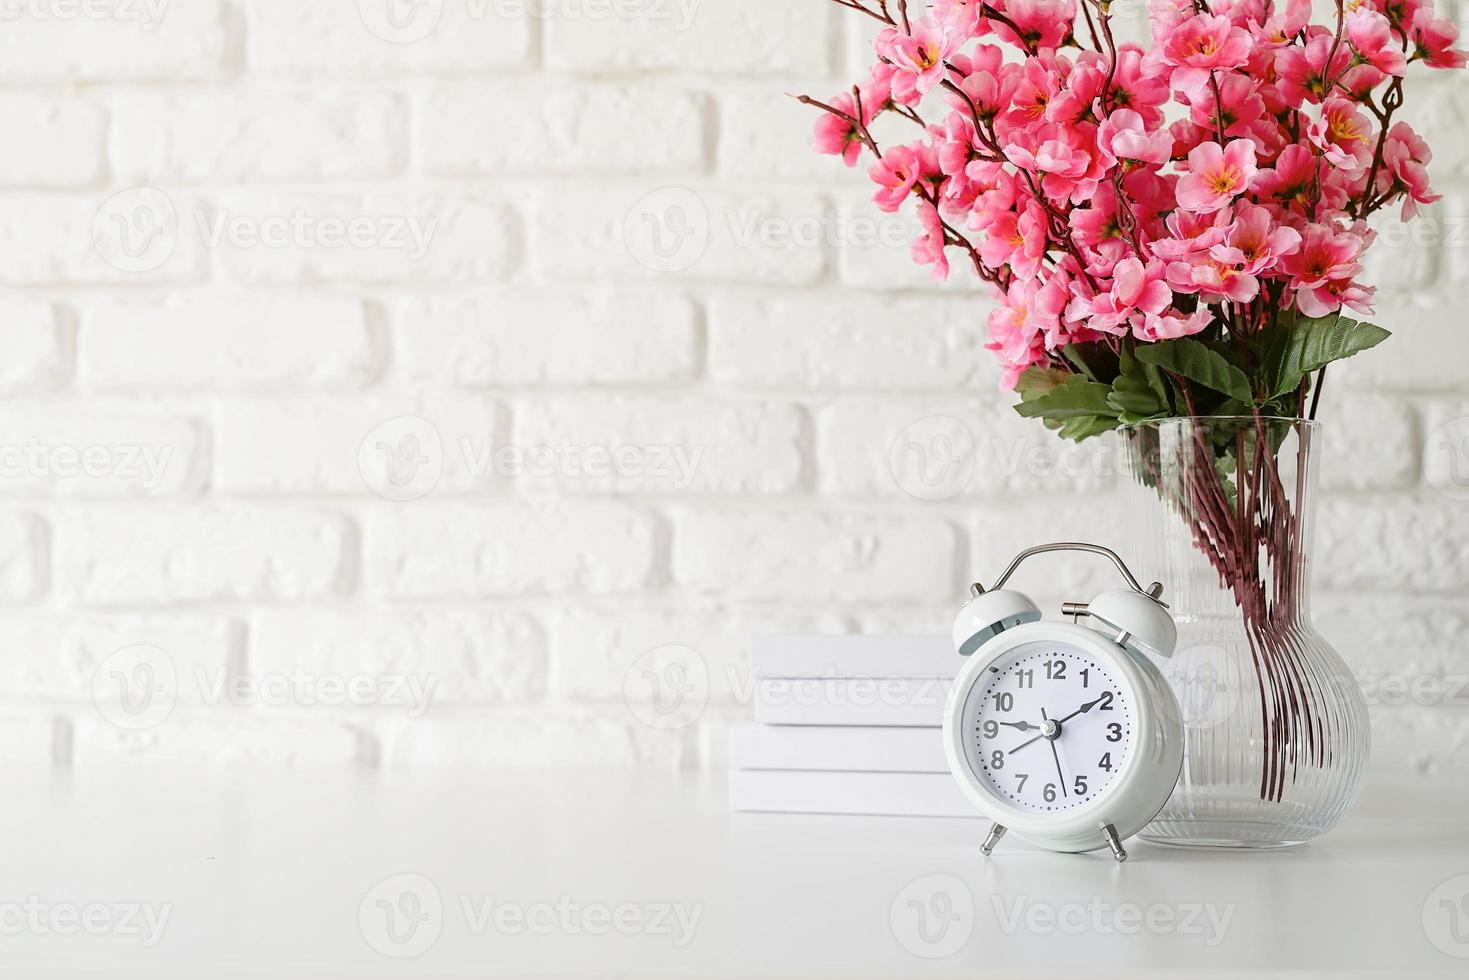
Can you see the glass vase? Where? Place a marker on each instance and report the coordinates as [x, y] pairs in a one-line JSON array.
[[1277, 735]]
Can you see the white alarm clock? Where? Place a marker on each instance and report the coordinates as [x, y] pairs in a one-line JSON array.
[[1066, 734]]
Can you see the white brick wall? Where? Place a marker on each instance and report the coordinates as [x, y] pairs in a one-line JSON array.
[[418, 323]]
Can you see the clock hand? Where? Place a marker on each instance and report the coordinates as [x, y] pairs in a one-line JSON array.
[[1080, 711], [1060, 777], [1023, 726]]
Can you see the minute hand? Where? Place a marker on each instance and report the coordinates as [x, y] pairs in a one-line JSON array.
[[1081, 711]]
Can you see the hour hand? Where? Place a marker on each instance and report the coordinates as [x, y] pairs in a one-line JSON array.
[[1023, 726]]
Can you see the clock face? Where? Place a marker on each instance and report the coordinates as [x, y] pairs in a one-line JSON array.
[[1048, 726]]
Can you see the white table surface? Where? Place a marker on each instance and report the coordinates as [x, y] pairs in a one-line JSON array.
[[280, 875]]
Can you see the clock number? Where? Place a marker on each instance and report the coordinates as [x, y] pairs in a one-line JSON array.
[[1105, 762], [1026, 677], [1114, 732], [1004, 700], [997, 759], [1022, 776], [1105, 704], [1055, 670], [991, 729], [1086, 677], [1050, 793], [1080, 785]]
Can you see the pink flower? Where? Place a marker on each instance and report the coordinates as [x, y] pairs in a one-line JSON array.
[[1237, 109], [1063, 160], [838, 136], [1137, 89], [1302, 72], [1256, 242], [1370, 34], [1216, 175], [963, 17], [1170, 325], [1213, 280], [1136, 288], [1406, 156], [1018, 329], [1016, 241], [1323, 268], [1433, 38], [1282, 26], [1190, 234], [1043, 24], [1125, 137], [1343, 134], [919, 55], [1289, 182], [928, 249], [896, 174], [1203, 44]]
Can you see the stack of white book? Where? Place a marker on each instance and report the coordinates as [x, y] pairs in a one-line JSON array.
[[847, 724]]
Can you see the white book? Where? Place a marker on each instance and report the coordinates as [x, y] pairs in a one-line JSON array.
[[886, 701], [899, 794], [854, 656], [830, 748]]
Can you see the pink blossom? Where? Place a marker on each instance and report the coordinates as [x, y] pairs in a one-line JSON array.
[[1322, 269], [1190, 234], [928, 248], [1018, 330], [1256, 242], [1125, 136], [1043, 24], [1203, 44], [963, 17], [1216, 175], [1136, 288], [1145, 92], [1370, 34], [896, 174], [920, 55], [1213, 280], [1406, 156], [1236, 109], [838, 136], [1061, 158], [1284, 23], [1289, 182], [1171, 325], [1433, 38], [1016, 241], [1343, 134], [1302, 72]]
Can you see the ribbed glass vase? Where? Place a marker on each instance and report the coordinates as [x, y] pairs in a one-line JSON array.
[[1277, 735]]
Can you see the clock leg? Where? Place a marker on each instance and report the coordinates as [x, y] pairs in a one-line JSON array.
[[1110, 833], [988, 847]]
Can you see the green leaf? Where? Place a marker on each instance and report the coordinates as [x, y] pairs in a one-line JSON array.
[[1086, 426], [1076, 397], [1293, 351], [1191, 359]]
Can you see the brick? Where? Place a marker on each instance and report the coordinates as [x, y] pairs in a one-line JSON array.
[[757, 37], [662, 445], [148, 40], [456, 656], [1432, 322], [644, 231], [767, 135], [1411, 544], [1395, 635], [874, 251], [34, 355], [960, 447], [316, 445], [847, 340], [533, 336], [370, 237], [99, 451], [330, 39], [1432, 743], [71, 238], [539, 738], [30, 737], [228, 135], [546, 127], [201, 554], [1000, 531], [1446, 447], [464, 551], [813, 555], [1435, 108], [215, 738], [23, 566], [58, 658], [221, 340], [1353, 460], [595, 647], [64, 144], [1446, 233]]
